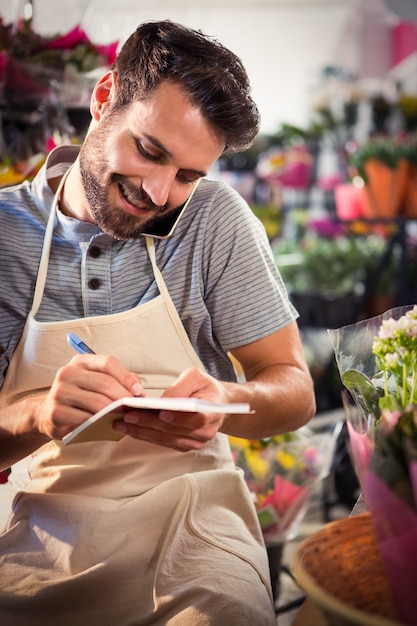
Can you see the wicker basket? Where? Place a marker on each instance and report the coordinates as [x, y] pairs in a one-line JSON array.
[[340, 569]]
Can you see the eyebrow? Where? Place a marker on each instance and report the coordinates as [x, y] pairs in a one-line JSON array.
[[153, 140]]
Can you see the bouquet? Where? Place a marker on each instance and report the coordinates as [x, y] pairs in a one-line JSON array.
[[289, 167], [32, 66], [281, 473], [377, 361]]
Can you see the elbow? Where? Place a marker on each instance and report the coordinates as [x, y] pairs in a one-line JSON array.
[[311, 410], [305, 407]]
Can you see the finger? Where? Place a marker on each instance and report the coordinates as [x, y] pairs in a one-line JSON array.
[[140, 422], [119, 378], [190, 420], [180, 443], [172, 420], [191, 382]]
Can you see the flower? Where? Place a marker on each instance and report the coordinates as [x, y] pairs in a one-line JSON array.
[[34, 67], [386, 393], [281, 472], [377, 360], [395, 349]]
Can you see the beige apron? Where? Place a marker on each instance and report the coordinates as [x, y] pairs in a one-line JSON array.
[[125, 533]]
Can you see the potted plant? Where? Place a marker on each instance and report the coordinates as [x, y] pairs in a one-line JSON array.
[[388, 167], [326, 276]]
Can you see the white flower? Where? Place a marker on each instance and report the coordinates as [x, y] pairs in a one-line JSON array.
[[390, 359], [388, 329]]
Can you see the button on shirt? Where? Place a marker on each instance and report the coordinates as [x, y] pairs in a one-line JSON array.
[[96, 274]]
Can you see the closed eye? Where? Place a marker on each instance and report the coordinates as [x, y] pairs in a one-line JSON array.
[[161, 156], [187, 177], [146, 154]]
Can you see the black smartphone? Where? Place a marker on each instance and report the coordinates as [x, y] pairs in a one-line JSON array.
[[163, 227]]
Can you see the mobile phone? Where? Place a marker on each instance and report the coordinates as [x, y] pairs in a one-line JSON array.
[[163, 227]]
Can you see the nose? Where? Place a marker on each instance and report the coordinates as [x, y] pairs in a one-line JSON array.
[[158, 185]]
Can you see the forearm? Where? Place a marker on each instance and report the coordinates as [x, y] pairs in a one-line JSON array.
[[282, 399], [18, 434]]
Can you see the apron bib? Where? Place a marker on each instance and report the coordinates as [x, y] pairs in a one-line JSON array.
[[91, 529]]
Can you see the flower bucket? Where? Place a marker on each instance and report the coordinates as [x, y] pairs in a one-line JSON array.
[[350, 201], [410, 200], [385, 188]]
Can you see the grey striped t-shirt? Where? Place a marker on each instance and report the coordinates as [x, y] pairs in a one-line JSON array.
[[217, 265]]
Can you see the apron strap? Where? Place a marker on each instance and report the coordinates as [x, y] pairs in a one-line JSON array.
[[150, 246], [44, 261], [170, 306]]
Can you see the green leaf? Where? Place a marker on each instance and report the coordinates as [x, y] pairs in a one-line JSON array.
[[368, 394], [389, 402]]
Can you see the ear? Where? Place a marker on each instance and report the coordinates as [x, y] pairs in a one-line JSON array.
[[103, 94]]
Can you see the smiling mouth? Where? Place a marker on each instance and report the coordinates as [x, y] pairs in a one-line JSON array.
[[135, 199]]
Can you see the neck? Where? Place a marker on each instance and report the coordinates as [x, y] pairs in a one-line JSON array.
[[70, 200]]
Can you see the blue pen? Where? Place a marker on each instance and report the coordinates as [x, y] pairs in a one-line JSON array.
[[78, 344]]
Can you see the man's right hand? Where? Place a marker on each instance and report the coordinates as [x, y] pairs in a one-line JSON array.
[[81, 388]]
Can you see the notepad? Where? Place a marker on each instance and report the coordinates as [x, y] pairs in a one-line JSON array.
[[99, 426]]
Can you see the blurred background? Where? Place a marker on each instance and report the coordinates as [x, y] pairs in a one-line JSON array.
[[285, 44]]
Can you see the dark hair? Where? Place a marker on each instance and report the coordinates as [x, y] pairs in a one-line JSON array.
[[212, 75]]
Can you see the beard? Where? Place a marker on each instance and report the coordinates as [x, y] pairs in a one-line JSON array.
[[110, 218]]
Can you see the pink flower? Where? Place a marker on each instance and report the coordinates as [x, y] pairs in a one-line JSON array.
[[71, 40], [388, 420], [109, 52]]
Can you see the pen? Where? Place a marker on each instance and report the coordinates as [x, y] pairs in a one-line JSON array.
[[78, 344]]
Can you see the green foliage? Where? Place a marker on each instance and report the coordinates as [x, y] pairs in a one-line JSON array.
[[331, 266], [367, 392], [383, 149], [388, 150]]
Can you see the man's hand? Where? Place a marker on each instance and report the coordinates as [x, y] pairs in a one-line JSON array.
[[84, 386], [180, 431]]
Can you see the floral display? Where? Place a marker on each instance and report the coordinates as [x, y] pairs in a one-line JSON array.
[[377, 360], [388, 167], [40, 79], [289, 167], [15, 173], [29, 62], [281, 473]]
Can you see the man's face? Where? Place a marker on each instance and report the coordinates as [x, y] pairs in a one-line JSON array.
[[142, 162]]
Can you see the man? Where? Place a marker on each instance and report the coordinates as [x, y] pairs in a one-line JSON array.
[[157, 528]]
